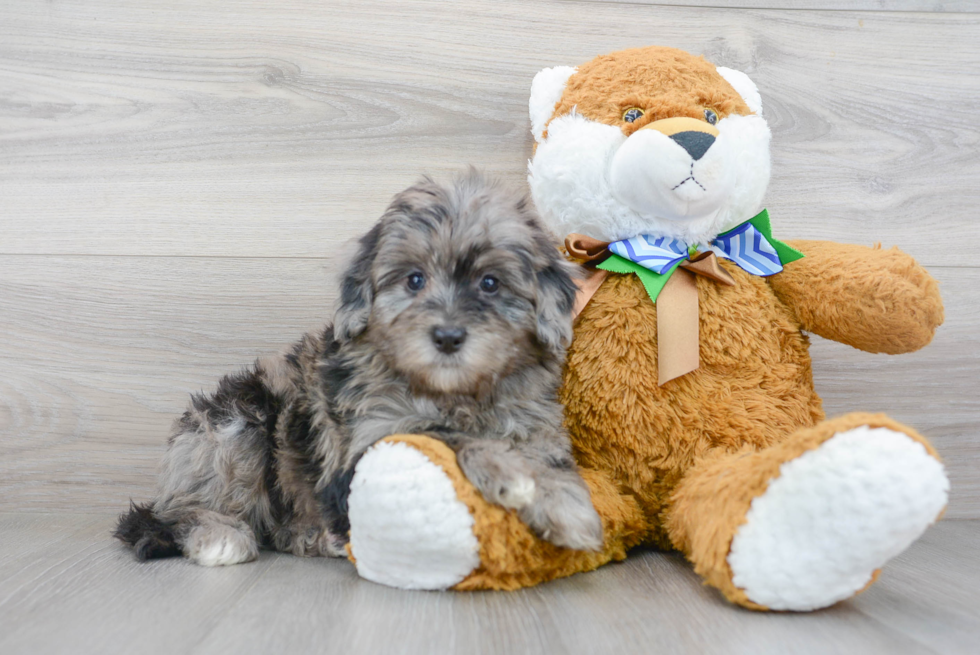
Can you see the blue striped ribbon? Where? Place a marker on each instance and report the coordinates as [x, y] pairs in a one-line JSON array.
[[745, 245]]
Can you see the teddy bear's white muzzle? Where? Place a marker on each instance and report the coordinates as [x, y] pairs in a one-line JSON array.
[[684, 177]]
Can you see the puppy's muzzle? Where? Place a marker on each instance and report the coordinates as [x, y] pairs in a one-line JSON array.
[[448, 338]]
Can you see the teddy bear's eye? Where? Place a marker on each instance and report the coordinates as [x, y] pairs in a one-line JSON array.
[[711, 116], [632, 114]]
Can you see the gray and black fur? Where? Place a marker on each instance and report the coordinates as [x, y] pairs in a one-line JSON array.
[[452, 322]]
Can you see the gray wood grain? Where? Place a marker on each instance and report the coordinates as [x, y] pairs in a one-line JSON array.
[[946, 6], [942, 565], [283, 131], [65, 587], [99, 354]]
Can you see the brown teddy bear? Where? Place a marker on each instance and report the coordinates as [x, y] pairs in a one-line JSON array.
[[688, 390]]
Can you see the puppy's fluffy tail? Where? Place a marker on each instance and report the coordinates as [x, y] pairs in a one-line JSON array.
[[149, 537]]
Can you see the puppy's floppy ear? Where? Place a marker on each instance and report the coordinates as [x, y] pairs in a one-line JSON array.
[[357, 289], [555, 300]]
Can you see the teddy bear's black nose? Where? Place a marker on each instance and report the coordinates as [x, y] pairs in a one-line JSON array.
[[696, 143], [448, 338]]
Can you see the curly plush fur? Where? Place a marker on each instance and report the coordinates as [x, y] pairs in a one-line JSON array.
[[733, 464]]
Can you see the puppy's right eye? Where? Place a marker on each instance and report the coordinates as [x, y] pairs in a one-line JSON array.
[[416, 281], [490, 284]]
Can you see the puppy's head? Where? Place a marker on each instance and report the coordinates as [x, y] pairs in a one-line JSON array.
[[458, 285]]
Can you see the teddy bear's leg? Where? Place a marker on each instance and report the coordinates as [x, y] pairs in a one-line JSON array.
[[417, 523], [809, 521]]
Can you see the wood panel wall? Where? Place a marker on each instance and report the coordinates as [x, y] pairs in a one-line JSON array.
[[179, 182]]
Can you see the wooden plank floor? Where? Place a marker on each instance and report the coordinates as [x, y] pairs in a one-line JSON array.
[[178, 183], [65, 587]]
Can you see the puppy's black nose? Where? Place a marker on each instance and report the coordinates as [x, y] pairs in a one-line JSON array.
[[448, 338], [696, 143]]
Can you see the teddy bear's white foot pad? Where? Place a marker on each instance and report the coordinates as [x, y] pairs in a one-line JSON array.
[[833, 516], [407, 527]]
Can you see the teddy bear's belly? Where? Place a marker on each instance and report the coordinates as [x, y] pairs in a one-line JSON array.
[[754, 385]]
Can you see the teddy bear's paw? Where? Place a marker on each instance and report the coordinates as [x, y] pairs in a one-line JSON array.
[[834, 516], [408, 528]]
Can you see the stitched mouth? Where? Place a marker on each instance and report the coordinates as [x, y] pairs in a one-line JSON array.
[[689, 178]]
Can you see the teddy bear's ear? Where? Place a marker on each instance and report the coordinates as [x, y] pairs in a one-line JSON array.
[[546, 90], [745, 87]]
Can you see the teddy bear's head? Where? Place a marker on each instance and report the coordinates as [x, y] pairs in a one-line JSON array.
[[647, 141]]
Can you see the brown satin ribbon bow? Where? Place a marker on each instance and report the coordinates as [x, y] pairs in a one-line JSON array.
[[677, 303]]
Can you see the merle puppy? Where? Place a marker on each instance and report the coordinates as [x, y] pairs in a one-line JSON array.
[[452, 322]]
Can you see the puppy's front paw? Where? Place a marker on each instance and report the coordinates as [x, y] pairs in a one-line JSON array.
[[566, 518], [516, 493], [511, 489], [555, 505], [501, 477]]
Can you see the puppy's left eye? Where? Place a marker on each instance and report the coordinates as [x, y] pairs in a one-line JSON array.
[[489, 284], [416, 281], [711, 116]]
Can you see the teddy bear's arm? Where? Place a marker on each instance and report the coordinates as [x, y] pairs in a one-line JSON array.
[[879, 301]]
